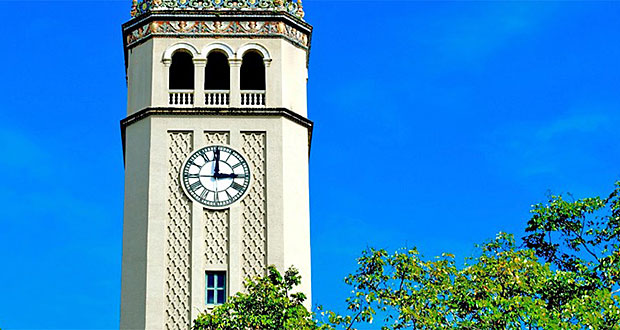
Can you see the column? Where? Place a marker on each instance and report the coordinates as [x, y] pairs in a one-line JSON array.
[[235, 82], [268, 90], [199, 82], [165, 90]]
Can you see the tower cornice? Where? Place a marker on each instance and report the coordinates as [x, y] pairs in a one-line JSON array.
[[265, 112], [216, 24]]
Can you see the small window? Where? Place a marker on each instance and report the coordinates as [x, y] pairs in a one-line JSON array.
[[215, 291], [252, 72]]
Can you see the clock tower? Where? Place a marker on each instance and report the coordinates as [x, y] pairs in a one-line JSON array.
[[216, 144]]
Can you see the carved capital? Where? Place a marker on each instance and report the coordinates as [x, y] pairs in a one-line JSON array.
[[234, 62], [200, 62]]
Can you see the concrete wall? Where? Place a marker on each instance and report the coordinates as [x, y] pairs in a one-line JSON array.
[[135, 225], [140, 76]]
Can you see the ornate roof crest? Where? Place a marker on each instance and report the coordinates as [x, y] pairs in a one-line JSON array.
[[293, 7]]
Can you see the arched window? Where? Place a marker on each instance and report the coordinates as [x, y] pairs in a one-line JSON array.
[[252, 72], [181, 71], [217, 72]]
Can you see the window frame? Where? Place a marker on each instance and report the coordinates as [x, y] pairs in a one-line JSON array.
[[216, 288]]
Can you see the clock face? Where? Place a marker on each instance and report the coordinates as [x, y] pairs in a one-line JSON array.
[[215, 176]]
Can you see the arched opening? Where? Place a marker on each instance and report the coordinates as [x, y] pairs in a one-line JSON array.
[[252, 72], [181, 71], [217, 72]]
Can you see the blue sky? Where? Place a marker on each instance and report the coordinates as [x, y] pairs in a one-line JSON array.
[[442, 122]]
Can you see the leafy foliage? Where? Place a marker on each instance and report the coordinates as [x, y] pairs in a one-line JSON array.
[[580, 236], [267, 305], [563, 277]]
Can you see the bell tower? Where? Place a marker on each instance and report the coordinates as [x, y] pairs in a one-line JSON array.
[[216, 144]]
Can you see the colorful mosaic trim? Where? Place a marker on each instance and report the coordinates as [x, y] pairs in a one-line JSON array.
[[237, 28], [293, 7]]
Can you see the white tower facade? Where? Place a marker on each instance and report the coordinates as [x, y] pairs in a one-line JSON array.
[[209, 80]]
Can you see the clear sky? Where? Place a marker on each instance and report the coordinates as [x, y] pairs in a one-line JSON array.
[[437, 124]]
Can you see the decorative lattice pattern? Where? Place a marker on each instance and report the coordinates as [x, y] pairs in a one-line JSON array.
[[216, 137], [178, 236], [254, 207], [216, 237], [216, 222]]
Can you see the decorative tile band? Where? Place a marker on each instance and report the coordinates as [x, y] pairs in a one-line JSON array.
[[293, 7], [219, 28]]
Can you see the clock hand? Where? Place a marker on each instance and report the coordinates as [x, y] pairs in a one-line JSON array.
[[217, 162], [230, 175]]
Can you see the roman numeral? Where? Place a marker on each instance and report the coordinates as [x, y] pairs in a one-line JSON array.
[[237, 165], [195, 185], [204, 193], [204, 155], [193, 176], [228, 194], [237, 186]]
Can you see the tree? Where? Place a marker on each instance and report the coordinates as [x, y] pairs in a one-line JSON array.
[[564, 276], [269, 304]]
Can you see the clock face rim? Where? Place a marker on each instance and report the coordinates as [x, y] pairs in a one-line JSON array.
[[212, 207]]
